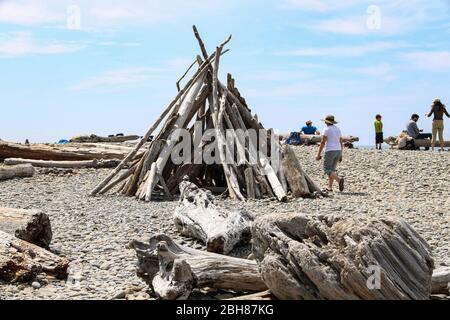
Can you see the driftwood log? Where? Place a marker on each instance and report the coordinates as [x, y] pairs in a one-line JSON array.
[[440, 282], [173, 271], [295, 175], [318, 138], [327, 257], [197, 216], [259, 296], [19, 171], [62, 152], [83, 164], [94, 138], [313, 139], [21, 261], [426, 143], [30, 225]]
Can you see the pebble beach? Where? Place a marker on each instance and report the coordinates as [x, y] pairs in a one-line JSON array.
[[93, 232]]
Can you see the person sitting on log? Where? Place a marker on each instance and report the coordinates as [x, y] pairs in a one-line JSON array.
[[333, 144], [414, 131], [309, 129], [438, 109]]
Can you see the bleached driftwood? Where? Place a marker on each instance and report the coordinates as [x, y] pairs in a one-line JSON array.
[[205, 105], [259, 296], [94, 138], [294, 173], [62, 152], [172, 107], [173, 270], [21, 261], [19, 171], [328, 257], [96, 164], [30, 225], [440, 281], [197, 216]]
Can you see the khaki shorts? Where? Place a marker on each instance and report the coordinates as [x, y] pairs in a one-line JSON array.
[[331, 160], [438, 129]]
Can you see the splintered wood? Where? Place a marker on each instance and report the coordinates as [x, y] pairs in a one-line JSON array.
[[173, 271], [330, 257], [248, 161]]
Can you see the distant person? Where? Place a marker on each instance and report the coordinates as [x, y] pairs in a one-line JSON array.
[[438, 109], [309, 129], [414, 131], [379, 139], [27, 142], [332, 142]]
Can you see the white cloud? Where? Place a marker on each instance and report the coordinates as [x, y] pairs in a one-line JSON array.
[[383, 71], [118, 44], [107, 15], [346, 51], [396, 16], [429, 60], [179, 63], [319, 5], [28, 13], [122, 76], [378, 70], [15, 44], [354, 26]]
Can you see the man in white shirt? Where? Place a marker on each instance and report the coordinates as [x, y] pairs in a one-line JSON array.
[[332, 142]]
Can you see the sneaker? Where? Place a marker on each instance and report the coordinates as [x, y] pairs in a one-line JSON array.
[[341, 185]]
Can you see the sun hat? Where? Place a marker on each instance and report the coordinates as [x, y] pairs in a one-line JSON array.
[[329, 120]]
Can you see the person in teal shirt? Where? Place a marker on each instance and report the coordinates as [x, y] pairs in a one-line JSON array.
[[309, 129]]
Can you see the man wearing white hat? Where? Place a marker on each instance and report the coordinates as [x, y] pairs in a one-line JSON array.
[[438, 109], [332, 142]]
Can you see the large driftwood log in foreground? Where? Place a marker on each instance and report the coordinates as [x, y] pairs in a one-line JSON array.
[[30, 225], [96, 164], [440, 282], [94, 138], [62, 152], [173, 270], [197, 216], [21, 261], [325, 257], [19, 171]]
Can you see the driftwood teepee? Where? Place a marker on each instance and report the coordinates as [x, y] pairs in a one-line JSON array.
[[205, 103]]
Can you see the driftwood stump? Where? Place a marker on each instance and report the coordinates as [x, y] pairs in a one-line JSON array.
[[326, 257], [197, 216], [440, 282], [21, 261], [173, 271], [30, 225], [19, 171]]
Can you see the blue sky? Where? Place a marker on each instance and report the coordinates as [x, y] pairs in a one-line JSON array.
[[114, 69]]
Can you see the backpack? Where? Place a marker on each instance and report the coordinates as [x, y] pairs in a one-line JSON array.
[[294, 139]]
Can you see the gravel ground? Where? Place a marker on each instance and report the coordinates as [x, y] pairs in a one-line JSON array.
[[93, 232]]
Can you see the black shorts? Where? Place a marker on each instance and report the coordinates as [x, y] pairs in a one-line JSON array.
[[379, 138]]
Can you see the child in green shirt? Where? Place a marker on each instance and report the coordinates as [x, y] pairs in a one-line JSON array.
[[379, 140]]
